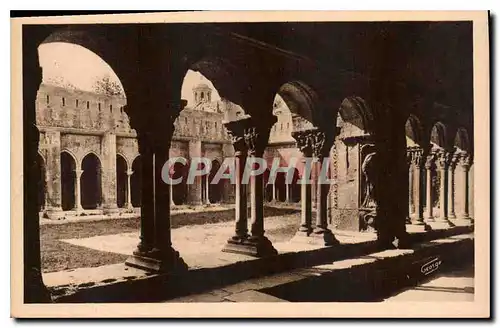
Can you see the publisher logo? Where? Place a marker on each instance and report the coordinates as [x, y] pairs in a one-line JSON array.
[[430, 266]]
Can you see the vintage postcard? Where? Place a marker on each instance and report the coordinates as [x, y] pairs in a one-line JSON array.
[[251, 164]]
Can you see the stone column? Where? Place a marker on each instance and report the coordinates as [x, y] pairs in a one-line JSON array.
[[78, 192], [442, 164], [304, 144], [287, 191], [146, 243], [274, 192], [463, 166], [129, 190], [155, 252], [195, 189], [451, 187], [108, 173], [321, 145], [256, 137], [429, 165], [411, 169], [207, 189], [53, 173], [171, 186], [236, 243], [418, 217]]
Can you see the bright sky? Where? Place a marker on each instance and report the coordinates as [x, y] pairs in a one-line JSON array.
[[69, 63]]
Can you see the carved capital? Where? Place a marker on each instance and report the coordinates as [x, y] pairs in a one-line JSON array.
[[442, 159], [464, 160], [429, 161], [303, 142], [236, 132], [256, 140], [313, 142]]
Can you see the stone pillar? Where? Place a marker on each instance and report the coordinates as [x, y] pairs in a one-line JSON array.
[[442, 164], [429, 165], [108, 173], [171, 186], [287, 191], [304, 144], [207, 189], [411, 177], [236, 244], [274, 192], [463, 166], [314, 143], [321, 145], [34, 290], [155, 252], [53, 209], [129, 190], [146, 243], [418, 215], [195, 189], [254, 137], [451, 187], [78, 191]]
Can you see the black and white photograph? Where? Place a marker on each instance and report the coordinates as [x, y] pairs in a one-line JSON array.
[[235, 164]]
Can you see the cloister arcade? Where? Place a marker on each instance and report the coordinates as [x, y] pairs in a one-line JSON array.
[[387, 119]]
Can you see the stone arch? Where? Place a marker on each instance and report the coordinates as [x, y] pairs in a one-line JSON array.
[[121, 180], [95, 39], [179, 170], [68, 167], [462, 141], [438, 135], [215, 189], [300, 99], [355, 118], [227, 78], [413, 129], [136, 182], [90, 181]]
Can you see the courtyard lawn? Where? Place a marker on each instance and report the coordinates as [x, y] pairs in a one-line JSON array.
[[58, 255]]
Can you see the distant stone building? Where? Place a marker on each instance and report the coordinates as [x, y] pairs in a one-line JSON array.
[[89, 153], [91, 164]]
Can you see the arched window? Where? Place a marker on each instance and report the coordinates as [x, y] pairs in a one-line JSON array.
[[88, 104], [48, 99], [76, 103], [63, 101]]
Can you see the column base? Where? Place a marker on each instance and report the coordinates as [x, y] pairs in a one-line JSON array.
[[53, 213], [440, 223], [110, 210], [429, 219], [157, 261], [252, 246], [463, 221], [322, 237], [418, 226]]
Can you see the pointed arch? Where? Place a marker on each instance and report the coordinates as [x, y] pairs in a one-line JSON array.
[[121, 180], [68, 167], [413, 129], [438, 135], [90, 181]]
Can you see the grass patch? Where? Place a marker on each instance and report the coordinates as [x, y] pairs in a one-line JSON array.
[[58, 255]]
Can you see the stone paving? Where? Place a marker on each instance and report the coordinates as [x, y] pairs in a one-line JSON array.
[[456, 286]]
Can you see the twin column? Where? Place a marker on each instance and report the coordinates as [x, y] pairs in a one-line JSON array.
[[249, 140], [451, 192], [314, 143]]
